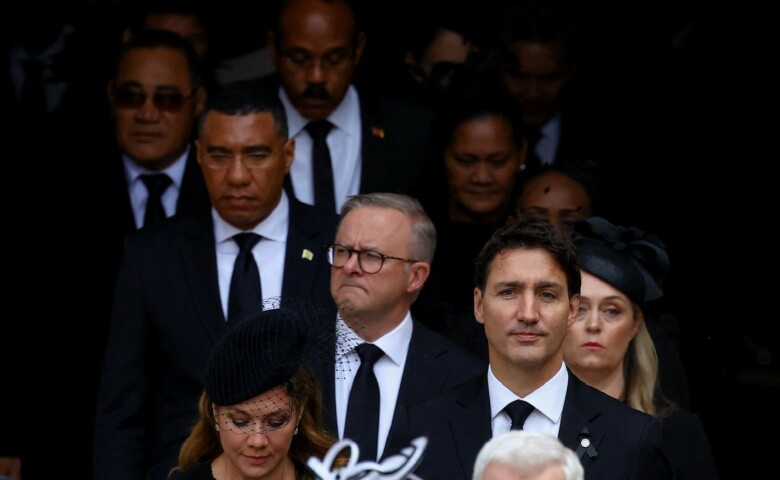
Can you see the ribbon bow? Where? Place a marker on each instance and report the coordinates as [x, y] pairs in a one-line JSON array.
[[646, 250]]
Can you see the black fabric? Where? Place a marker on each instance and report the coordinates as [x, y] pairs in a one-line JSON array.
[[532, 161], [245, 292], [362, 425], [619, 245], [518, 411], [264, 350], [156, 185], [33, 98], [322, 168]]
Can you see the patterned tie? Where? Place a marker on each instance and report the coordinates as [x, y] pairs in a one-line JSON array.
[[322, 168], [362, 425], [245, 294], [518, 411], [156, 185]]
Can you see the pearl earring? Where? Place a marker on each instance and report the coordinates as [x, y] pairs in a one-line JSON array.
[[296, 431], [216, 426]]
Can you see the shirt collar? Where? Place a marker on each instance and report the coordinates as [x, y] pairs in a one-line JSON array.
[[548, 398], [343, 117], [395, 343], [175, 170], [274, 227]]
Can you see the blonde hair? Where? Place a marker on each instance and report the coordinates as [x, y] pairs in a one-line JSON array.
[[640, 368]]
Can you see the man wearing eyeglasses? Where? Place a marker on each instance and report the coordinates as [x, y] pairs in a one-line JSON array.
[[175, 288], [380, 260]]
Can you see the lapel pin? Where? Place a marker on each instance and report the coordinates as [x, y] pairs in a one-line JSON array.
[[378, 132], [586, 445], [306, 253]]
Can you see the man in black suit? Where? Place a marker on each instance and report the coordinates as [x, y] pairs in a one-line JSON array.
[[171, 299], [376, 142], [537, 65], [527, 294], [156, 94], [381, 259]]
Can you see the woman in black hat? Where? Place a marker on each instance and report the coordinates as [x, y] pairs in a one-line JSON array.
[[260, 412], [609, 346]]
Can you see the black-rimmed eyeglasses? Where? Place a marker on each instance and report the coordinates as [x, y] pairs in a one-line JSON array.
[[370, 261]]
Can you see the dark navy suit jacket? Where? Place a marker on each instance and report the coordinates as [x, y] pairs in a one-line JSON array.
[[167, 317], [623, 443], [433, 364]]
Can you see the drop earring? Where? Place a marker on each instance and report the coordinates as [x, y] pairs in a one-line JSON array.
[[296, 431], [216, 426]]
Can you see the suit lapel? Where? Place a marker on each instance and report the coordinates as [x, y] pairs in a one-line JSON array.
[[471, 431], [194, 196], [301, 253], [576, 430], [198, 258], [372, 138]]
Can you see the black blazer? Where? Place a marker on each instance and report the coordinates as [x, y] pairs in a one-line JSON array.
[[624, 443], [396, 141], [433, 364], [167, 317]]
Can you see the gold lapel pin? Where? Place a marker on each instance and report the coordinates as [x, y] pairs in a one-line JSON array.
[[307, 254]]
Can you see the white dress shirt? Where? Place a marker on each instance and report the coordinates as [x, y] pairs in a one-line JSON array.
[[269, 252], [388, 369], [547, 400], [139, 195], [344, 142]]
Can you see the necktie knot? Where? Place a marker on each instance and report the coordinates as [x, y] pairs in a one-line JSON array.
[[518, 411], [156, 184], [246, 241], [369, 353], [319, 129]]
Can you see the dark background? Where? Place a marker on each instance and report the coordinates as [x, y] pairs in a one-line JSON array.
[[685, 94]]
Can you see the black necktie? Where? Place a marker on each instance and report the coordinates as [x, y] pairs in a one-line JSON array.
[[322, 168], [156, 184], [532, 161], [245, 294], [362, 425], [33, 98], [518, 411]]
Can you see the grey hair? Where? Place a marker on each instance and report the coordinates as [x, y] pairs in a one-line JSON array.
[[530, 453], [423, 231]]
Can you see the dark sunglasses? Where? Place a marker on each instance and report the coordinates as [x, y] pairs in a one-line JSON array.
[[164, 101]]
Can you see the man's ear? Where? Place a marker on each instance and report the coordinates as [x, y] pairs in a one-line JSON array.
[[420, 272]]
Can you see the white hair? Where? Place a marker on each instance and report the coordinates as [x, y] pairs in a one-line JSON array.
[[530, 453]]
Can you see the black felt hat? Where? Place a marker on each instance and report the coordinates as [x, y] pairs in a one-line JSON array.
[[631, 260], [264, 350]]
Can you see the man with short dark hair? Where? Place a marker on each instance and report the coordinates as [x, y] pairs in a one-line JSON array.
[[527, 295]]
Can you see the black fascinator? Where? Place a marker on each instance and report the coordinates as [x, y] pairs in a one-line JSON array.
[[631, 260]]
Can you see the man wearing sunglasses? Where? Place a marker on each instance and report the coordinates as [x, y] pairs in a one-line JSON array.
[[155, 94]]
